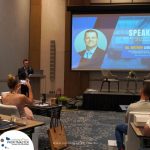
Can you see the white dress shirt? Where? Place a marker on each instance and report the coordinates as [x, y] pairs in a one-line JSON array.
[[89, 53]]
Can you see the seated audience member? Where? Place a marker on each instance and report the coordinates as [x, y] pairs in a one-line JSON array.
[[19, 100], [142, 105]]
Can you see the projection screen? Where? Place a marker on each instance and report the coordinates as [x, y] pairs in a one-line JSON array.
[[110, 42]]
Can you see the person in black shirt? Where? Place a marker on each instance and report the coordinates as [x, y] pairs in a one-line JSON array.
[[23, 74]]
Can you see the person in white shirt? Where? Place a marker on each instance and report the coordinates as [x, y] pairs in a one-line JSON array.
[[142, 105]]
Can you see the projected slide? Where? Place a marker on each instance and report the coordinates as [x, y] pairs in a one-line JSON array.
[[111, 42]]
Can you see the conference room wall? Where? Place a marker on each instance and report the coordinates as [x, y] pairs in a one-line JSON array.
[[53, 28], [14, 37], [75, 79]]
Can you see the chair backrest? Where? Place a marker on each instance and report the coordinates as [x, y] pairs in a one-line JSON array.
[[9, 110], [133, 142], [55, 115], [3, 94], [132, 113], [56, 111], [147, 76], [106, 73]]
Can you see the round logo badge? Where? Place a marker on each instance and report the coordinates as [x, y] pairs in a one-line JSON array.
[[15, 140]]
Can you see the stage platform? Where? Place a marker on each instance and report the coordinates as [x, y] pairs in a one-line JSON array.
[[108, 101]]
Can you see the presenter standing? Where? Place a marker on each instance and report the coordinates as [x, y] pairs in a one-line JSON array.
[[23, 74]]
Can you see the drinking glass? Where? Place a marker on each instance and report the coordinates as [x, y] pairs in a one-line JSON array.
[[13, 118]]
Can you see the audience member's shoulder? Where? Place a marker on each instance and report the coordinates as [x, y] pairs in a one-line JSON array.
[[133, 105]]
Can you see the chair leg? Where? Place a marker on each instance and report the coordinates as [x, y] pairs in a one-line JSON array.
[[118, 86], [135, 86], [102, 85], [143, 83], [108, 86], [128, 85]]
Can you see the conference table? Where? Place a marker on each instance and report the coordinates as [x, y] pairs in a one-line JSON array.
[[45, 109], [20, 124]]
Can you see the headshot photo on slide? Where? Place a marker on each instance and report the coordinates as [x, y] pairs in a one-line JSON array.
[[91, 44], [80, 44]]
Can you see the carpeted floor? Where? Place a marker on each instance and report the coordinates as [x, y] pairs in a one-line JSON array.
[[85, 130]]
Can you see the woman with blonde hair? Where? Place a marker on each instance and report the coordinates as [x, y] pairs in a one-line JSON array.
[[17, 99]]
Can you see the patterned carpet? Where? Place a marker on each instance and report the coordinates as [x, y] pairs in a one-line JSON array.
[[85, 130]]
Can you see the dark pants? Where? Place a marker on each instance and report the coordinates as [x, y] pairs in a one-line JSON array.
[[120, 130]]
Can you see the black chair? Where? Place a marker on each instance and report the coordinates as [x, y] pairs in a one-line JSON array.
[[109, 78], [55, 114]]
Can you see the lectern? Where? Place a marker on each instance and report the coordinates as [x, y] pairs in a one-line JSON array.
[[35, 83]]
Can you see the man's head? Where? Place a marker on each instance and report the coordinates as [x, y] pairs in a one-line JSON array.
[[26, 63], [145, 92], [91, 39]]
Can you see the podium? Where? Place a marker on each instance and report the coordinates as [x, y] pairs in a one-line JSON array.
[[35, 80]]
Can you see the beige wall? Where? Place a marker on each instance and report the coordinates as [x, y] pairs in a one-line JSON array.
[[35, 33], [14, 37], [53, 28]]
